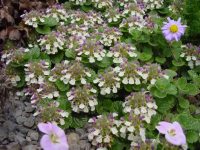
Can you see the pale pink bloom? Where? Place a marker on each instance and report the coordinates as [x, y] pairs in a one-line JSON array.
[[173, 132], [54, 138], [173, 30]]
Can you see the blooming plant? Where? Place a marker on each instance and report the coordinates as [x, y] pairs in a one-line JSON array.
[[122, 69]]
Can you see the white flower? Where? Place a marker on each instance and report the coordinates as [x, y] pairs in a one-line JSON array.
[[114, 130]]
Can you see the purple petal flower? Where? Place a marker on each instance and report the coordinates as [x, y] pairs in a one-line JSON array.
[[54, 138], [173, 132], [173, 30]]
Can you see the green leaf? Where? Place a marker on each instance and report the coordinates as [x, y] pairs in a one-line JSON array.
[[50, 22], [188, 122], [64, 104], [178, 63], [158, 93], [78, 122], [21, 83], [43, 29], [183, 103], [165, 104], [68, 122], [146, 54], [176, 53], [70, 53], [192, 136], [181, 83], [57, 58], [136, 34], [61, 86], [117, 107], [160, 60], [172, 90], [171, 73], [105, 62], [193, 89], [162, 84]]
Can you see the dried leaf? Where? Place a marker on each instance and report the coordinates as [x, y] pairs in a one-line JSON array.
[[14, 34]]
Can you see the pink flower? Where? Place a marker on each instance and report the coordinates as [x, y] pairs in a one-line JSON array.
[[54, 138], [173, 132], [173, 30]]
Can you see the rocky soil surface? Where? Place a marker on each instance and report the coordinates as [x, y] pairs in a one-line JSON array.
[[18, 128]]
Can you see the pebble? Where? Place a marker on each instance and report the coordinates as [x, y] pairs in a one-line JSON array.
[[13, 146], [20, 119], [30, 147], [29, 122], [33, 135], [3, 134], [73, 138]]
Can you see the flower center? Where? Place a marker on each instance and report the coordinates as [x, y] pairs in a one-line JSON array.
[[173, 28], [172, 132], [54, 138]]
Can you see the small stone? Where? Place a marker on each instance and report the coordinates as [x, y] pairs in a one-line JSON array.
[[28, 139], [83, 144], [33, 135], [80, 131], [29, 122], [74, 147], [73, 138], [20, 119], [11, 136], [3, 134], [30, 147], [29, 109], [2, 119], [11, 126], [22, 129], [13, 146], [20, 139], [18, 113], [5, 142], [84, 136]]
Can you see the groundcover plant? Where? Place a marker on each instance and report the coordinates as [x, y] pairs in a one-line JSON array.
[[118, 67]]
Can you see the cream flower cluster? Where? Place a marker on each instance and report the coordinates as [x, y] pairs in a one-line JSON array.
[[191, 54], [71, 73], [108, 82], [14, 55], [133, 9], [45, 90], [128, 72], [101, 4], [52, 42], [153, 4], [151, 72], [109, 35], [120, 51], [33, 18], [132, 21], [78, 2], [57, 12], [131, 128], [50, 112], [35, 72], [89, 19], [101, 131], [92, 50], [78, 30], [83, 99], [140, 104], [113, 15]]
